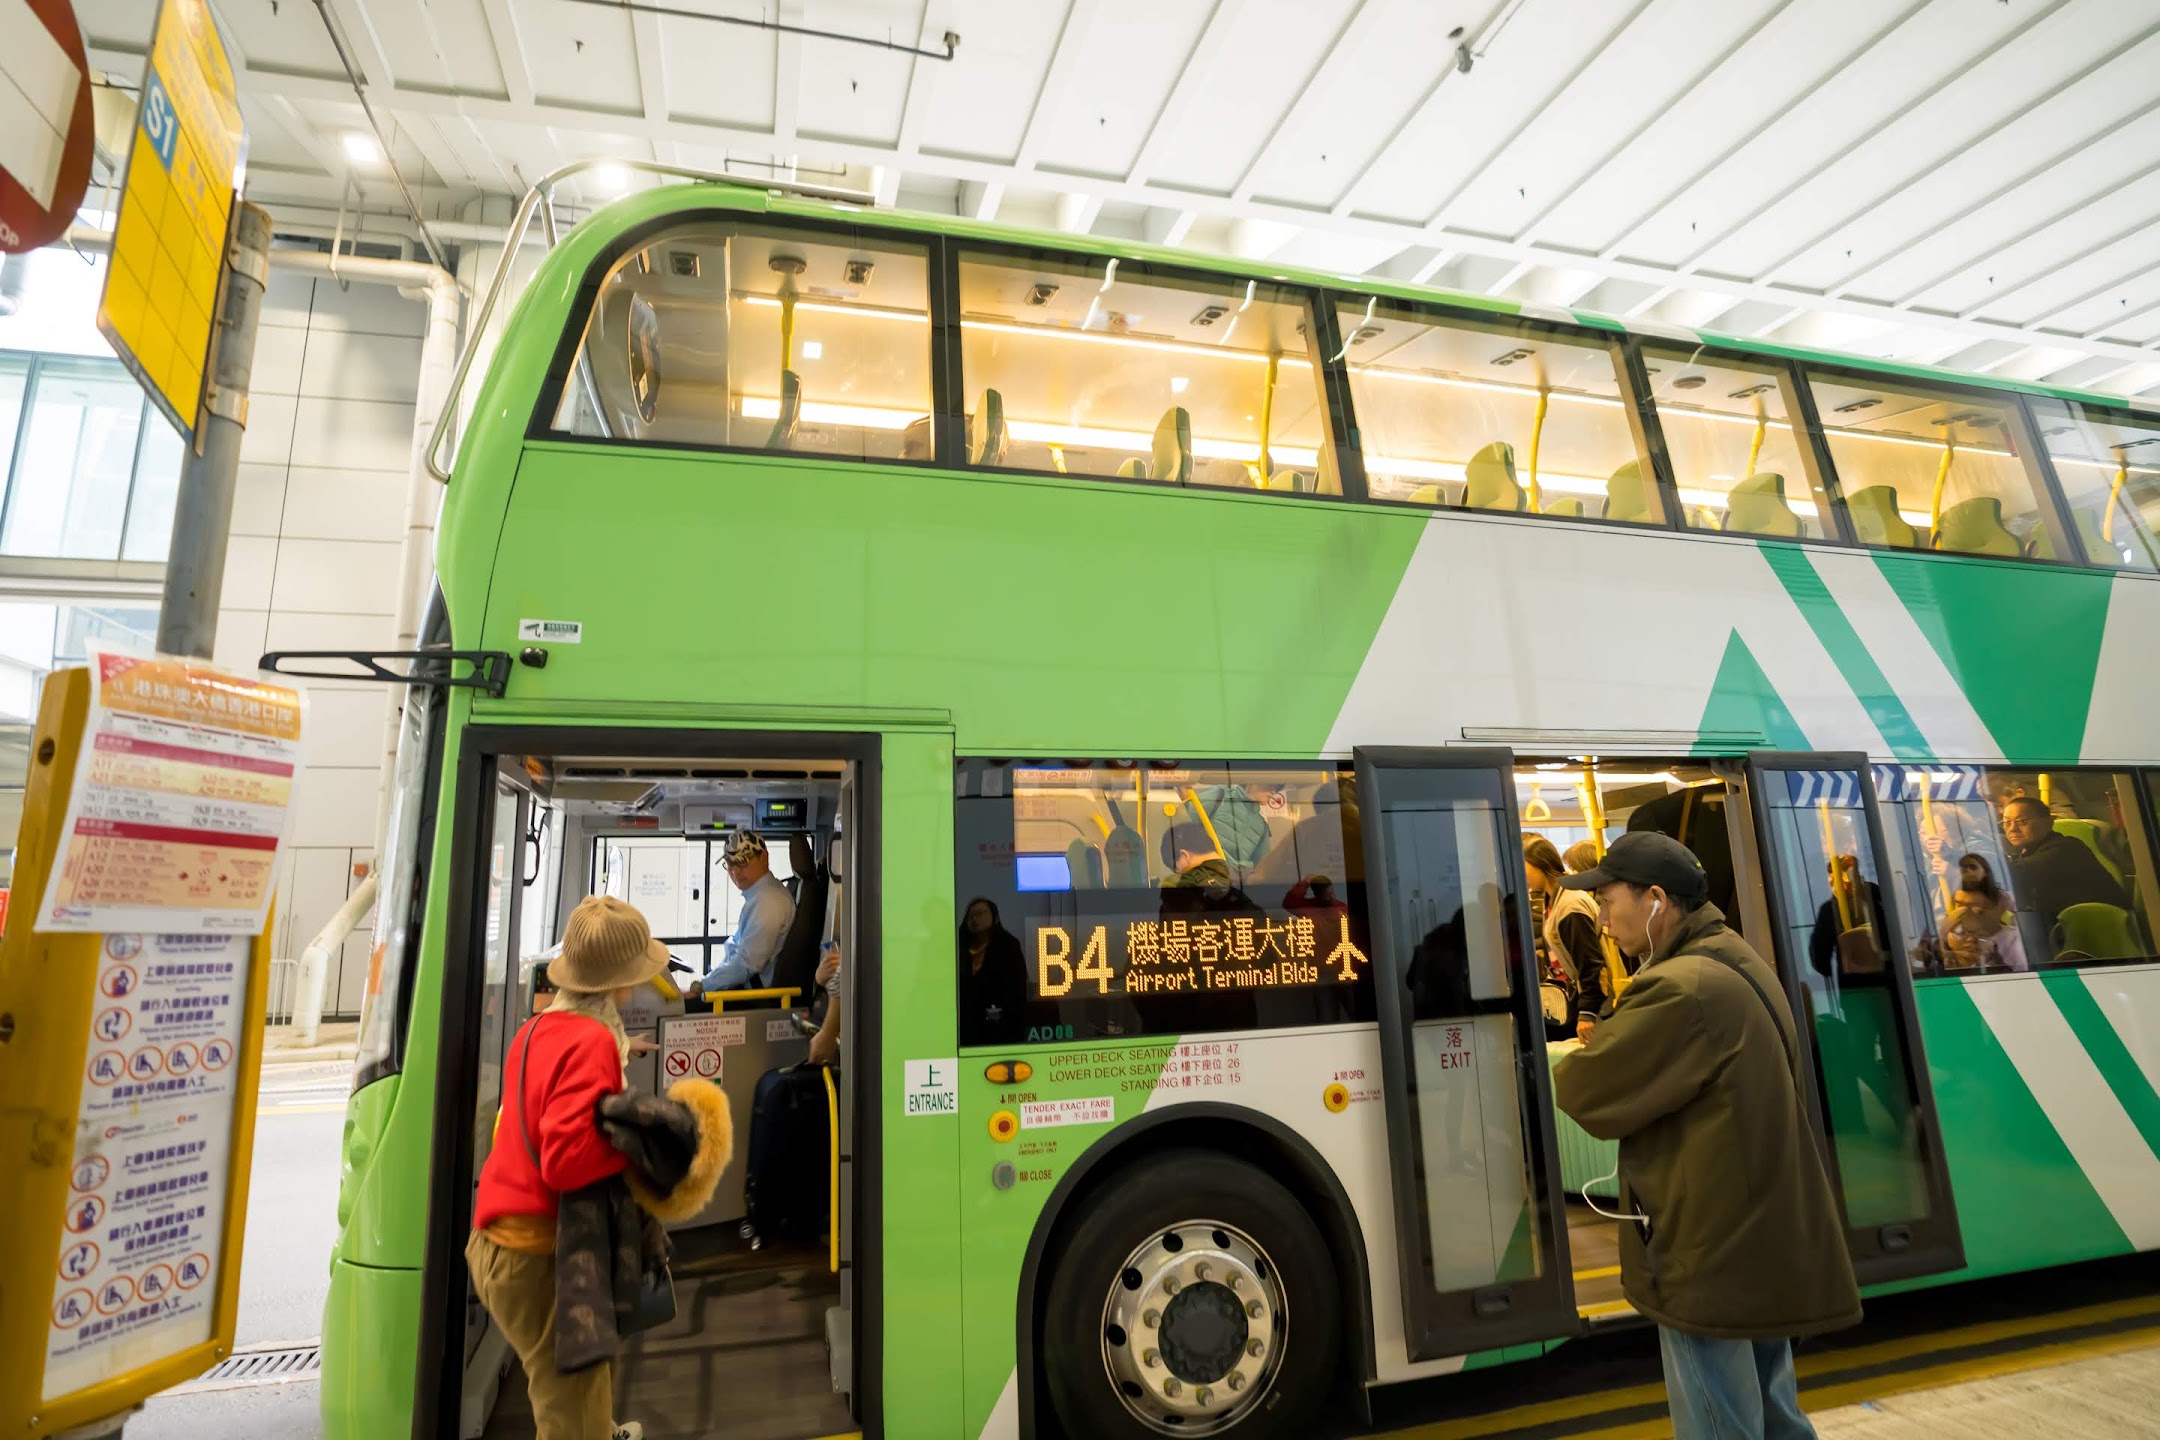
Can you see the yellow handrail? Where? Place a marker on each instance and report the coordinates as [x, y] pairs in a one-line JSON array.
[[1754, 449], [2122, 476], [1942, 477], [832, 1199], [1927, 826], [786, 995], [1837, 871], [1593, 807], [1267, 416], [1537, 433], [787, 331], [1192, 798]]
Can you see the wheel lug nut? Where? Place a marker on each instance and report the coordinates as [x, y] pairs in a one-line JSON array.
[[1252, 1347], [1202, 1394], [1169, 1285], [1150, 1359], [1171, 1387], [1253, 1308], [1151, 1319], [1236, 1381], [1237, 1282], [1201, 1271]]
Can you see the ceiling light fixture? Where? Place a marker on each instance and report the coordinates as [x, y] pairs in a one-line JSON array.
[[362, 148]]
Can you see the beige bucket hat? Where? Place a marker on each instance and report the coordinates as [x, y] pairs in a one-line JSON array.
[[606, 945]]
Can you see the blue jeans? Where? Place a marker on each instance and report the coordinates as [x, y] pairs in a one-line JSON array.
[[1731, 1389]]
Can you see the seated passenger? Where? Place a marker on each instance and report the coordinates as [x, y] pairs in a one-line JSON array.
[[2050, 871], [993, 977], [1201, 883], [1980, 932], [747, 960]]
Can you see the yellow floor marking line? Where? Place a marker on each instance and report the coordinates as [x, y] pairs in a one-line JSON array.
[[1824, 1363], [1597, 1274]]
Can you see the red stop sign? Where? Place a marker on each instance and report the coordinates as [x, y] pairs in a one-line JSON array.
[[45, 165]]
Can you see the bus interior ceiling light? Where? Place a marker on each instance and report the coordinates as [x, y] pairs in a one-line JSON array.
[[949, 42]]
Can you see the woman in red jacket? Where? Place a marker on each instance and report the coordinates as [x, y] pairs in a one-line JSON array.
[[548, 1143]]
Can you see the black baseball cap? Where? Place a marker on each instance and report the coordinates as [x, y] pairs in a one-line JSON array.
[[1644, 857]]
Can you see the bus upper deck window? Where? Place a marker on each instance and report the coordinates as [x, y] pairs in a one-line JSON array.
[[1929, 469], [1740, 464], [2109, 464], [1494, 415], [1104, 367], [759, 337]]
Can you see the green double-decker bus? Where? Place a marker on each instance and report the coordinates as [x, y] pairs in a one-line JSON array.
[[1147, 667]]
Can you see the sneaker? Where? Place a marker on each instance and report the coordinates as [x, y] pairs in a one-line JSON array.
[[629, 1430]]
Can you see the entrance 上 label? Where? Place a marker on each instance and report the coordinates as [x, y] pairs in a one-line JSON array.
[[932, 1087]]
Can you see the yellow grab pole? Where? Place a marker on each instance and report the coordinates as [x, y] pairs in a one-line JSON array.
[[832, 1198], [1754, 449], [1942, 478], [787, 332], [1192, 798], [1927, 826], [2122, 476], [1593, 807], [1267, 417], [1837, 871], [1537, 434]]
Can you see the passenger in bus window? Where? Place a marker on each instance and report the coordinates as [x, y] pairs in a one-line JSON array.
[[2050, 871], [1981, 932], [1571, 935], [1738, 1244], [993, 976], [767, 911], [1850, 927]]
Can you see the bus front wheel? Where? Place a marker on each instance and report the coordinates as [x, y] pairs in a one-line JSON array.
[[1195, 1297]]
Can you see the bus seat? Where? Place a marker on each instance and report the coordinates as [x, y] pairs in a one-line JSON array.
[[1876, 520], [1568, 509], [1974, 527], [1295, 482], [987, 436], [1084, 863], [1706, 518], [1172, 460], [2094, 835], [783, 430], [1490, 478], [1133, 469], [1427, 495], [2098, 932], [1757, 507], [916, 442], [1626, 497]]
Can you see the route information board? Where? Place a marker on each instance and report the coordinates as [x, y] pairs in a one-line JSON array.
[[181, 801], [169, 239]]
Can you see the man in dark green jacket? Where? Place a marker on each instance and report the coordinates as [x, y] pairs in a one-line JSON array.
[[1736, 1244]]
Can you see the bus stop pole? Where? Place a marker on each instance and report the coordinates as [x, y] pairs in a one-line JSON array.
[[202, 512]]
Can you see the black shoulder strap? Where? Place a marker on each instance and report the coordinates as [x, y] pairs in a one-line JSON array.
[[525, 1130]]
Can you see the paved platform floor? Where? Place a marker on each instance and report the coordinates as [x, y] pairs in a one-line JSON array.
[[2112, 1397]]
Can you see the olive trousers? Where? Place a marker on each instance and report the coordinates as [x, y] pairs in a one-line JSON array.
[[519, 1292]]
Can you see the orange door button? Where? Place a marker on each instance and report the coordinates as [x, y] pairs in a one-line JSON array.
[[1009, 1072]]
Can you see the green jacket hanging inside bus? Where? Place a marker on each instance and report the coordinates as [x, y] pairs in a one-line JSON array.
[[1734, 1243]]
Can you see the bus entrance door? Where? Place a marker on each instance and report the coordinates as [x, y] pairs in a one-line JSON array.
[[1846, 972], [1481, 1239]]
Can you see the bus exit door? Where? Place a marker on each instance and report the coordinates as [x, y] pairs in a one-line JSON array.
[[1481, 1238], [1820, 853]]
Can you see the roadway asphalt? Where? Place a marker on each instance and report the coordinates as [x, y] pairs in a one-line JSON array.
[[291, 1225]]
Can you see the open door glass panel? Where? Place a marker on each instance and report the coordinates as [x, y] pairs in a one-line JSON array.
[[1841, 957], [1483, 1251]]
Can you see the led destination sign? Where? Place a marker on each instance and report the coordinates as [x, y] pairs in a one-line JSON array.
[[1095, 956]]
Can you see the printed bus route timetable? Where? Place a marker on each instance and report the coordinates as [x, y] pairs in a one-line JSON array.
[[182, 798]]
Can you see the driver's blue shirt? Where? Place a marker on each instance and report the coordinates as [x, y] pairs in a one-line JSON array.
[[748, 956]]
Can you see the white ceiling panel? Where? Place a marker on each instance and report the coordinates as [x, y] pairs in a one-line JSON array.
[[1470, 116], [2108, 109], [1974, 182], [1769, 71], [445, 44], [2046, 255], [578, 55], [1244, 90], [1537, 169], [1845, 105], [1099, 124], [981, 100], [720, 74], [2050, 54], [1380, 75]]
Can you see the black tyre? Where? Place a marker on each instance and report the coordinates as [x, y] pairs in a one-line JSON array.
[[1194, 1296]]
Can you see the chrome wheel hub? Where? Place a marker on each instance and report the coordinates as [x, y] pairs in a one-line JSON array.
[[1193, 1329]]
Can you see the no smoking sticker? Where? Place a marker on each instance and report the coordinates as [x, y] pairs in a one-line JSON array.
[[678, 1063]]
